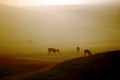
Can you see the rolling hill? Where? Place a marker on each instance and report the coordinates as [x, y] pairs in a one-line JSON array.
[[97, 67]]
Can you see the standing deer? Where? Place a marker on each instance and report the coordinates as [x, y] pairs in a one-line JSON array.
[[78, 49]]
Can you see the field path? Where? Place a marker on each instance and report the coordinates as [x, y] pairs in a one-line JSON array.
[[28, 74]]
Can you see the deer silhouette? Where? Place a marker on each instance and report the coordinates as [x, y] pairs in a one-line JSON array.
[[87, 52], [77, 49], [53, 50]]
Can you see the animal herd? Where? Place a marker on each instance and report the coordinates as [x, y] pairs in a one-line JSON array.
[[55, 51]]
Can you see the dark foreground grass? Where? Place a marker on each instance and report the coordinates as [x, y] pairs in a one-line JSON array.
[[101, 66], [96, 67]]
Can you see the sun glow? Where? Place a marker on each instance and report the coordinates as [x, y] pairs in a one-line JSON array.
[[49, 2], [60, 2]]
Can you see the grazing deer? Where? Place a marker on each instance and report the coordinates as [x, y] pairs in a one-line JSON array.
[[87, 52], [53, 50]]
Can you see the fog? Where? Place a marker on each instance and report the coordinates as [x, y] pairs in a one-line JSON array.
[[33, 29]]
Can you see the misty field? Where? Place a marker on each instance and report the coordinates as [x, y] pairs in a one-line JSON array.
[[27, 33], [84, 68]]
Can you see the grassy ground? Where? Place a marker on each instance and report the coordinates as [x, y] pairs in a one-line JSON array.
[[12, 67], [93, 67]]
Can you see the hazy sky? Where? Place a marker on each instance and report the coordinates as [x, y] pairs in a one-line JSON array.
[[58, 27], [53, 2]]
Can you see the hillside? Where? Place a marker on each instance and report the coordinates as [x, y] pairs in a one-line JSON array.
[[10, 66], [101, 66]]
